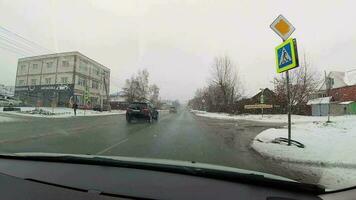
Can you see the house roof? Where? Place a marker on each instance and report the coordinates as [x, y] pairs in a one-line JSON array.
[[346, 102], [350, 77], [341, 79], [323, 100]]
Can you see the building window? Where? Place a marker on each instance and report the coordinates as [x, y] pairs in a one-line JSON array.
[[21, 82], [65, 63], [49, 65], [23, 68], [81, 82], [95, 85], [97, 71], [48, 81], [35, 66], [64, 79], [33, 81], [83, 65]]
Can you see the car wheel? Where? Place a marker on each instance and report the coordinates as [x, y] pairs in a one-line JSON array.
[[128, 119], [150, 119]]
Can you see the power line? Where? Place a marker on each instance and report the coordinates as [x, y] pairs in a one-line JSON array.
[[24, 39], [14, 45], [24, 46], [14, 49]]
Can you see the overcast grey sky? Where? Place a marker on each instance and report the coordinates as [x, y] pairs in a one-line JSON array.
[[176, 40]]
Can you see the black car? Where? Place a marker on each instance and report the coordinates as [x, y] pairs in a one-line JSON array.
[[141, 110]]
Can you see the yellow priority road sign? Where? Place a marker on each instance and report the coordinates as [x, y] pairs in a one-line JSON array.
[[282, 27], [287, 55]]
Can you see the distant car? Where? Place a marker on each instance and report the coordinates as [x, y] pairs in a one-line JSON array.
[[173, 109], [4, 102], [13, 101], [98, 108], [141, 110]]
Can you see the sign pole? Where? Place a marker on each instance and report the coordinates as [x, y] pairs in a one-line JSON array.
[[289, 109], [286, 57]]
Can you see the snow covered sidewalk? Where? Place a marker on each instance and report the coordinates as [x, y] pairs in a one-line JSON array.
[[328, 143], [329, 148], [60, 112]]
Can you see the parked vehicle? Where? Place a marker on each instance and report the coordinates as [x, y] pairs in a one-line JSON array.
[[4, 102], [9, 101], [172, 109], [98, 108], [141, 110], [13, 101]]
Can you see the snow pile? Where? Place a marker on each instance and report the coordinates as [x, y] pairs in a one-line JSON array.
[[61, 112], [328, 146], [278, 118]]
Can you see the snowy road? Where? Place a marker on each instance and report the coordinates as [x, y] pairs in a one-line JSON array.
[[181, 136]]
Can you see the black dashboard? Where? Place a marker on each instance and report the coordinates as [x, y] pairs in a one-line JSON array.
[[28, 179]]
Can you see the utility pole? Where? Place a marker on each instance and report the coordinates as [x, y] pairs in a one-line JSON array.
[[262, 99], [107, 92], [327, 87]]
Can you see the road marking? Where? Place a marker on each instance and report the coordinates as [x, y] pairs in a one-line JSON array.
[[111, 147]]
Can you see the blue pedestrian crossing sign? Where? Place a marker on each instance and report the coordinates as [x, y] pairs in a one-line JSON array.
[[287, 55]]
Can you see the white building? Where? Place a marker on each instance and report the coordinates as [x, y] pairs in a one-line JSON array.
[[61, 78]]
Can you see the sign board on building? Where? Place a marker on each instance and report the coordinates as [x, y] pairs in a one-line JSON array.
[[258, 106], [286, 55], [282, 27]]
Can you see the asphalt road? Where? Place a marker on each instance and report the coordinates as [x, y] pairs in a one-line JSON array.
[[176, 136]]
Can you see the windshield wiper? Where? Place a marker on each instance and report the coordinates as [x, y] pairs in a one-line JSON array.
[[248, 178]]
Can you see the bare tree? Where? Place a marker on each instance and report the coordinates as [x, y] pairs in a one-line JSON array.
[[303, 82], [137, 88], [154, 94], [225, 82]]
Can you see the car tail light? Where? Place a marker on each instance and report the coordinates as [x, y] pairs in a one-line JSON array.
[[145, 110]]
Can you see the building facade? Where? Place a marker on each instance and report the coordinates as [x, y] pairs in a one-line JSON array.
[[61, 79]]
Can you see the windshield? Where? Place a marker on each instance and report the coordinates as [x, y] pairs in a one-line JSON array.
[[261, 86]]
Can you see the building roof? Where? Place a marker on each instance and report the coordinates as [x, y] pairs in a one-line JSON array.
[[341, 79], [62, 54], [350, 77], [323, 100]]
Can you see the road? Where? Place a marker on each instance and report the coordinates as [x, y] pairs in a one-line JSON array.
[[176, 136]]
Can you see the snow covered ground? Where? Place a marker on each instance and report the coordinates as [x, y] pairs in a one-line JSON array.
[[266, 118], [329, 148], [60, 112], [329, 152]]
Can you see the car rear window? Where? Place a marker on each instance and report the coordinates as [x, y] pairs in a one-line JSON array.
[[138, 106]]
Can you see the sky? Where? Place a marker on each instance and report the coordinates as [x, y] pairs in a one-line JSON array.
[[177, 40]]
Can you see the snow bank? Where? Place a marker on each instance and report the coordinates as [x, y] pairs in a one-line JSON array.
[[266, 118], [330, 147], [60, 112]]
